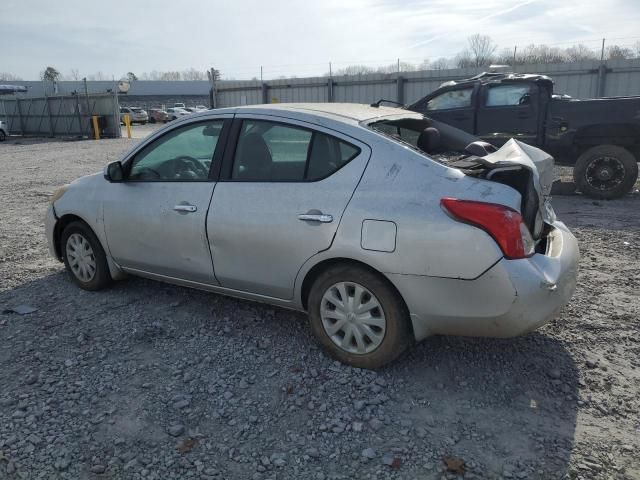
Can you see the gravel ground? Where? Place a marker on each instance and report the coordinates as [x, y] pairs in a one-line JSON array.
[[153, 381]]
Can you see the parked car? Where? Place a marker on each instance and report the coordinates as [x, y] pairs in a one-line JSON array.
[[136, 115], [601, 137], [179, 105], [4, 131], [354, 214], [175, 113], [201, 108], [158, 115]]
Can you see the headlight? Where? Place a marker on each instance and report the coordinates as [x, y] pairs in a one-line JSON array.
[[57, 195]]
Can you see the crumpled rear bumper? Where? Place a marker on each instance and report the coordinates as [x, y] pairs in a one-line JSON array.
[[511, 298]]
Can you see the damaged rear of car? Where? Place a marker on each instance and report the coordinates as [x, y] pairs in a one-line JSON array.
[[511, 265]]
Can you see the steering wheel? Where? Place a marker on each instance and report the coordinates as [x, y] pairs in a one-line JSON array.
[[186, 165]]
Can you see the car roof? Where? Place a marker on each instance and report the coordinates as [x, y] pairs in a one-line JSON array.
[[344, 112], [490, 77]]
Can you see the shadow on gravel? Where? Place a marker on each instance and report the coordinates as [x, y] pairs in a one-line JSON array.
[[516, 399], [506, 407]]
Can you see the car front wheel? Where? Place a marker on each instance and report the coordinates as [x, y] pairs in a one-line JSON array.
[[84, 257], [358, 317], [606, 171], [3, 136]]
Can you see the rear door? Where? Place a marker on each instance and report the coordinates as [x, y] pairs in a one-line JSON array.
[[284, 187], [508, 110], [454, 107]]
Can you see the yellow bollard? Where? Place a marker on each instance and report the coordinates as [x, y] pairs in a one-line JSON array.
[[127, 123], [96, 130]]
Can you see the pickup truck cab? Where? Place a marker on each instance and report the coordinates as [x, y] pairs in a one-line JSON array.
[[600, 137]]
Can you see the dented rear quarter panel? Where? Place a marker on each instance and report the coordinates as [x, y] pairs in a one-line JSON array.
[[404, 187]]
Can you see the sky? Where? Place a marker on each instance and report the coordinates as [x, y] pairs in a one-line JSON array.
[[286, 37]]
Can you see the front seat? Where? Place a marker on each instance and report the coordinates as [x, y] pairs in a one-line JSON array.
[[253, 159], [429, 140]]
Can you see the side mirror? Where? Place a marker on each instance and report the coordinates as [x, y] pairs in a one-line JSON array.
[[114, 172]]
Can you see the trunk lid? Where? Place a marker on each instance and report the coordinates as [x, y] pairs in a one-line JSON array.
[[527, 169]]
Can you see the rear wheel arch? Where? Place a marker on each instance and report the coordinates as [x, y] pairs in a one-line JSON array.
[[321, 267]]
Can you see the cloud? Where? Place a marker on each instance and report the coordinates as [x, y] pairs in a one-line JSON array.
[[286, 37]]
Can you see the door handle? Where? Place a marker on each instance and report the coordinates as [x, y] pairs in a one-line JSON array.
[[316, 217], [185, 208]]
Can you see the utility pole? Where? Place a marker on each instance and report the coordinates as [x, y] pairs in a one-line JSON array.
[[515, 49], [260, 72], [398, 65], [602, 51]]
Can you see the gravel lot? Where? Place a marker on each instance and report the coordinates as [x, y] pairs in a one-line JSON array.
[[147, 380]]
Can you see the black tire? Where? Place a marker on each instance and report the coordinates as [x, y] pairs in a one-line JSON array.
[[3, 136], [397, 335], [596, 165], [143, 123], [101, 277], [152, 120]]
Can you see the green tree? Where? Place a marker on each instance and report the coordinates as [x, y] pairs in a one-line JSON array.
[[50, 74]]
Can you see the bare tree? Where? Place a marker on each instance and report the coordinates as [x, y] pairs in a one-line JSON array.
[[580, 53], [74, 74], [9, 77], [98, 76], [464, 59], [355, 70], [616, 51], [132, 77], [481, 48], [193, 74], [171, 76], [440, 64]]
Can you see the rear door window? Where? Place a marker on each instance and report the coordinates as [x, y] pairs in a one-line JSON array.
[[277, 152], [506, 95]]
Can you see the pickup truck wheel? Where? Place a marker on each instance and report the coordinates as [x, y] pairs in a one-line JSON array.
[[605, 171], [358, 317], [3, 136]]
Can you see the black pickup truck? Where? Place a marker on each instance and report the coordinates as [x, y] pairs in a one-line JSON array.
[[600, 137]]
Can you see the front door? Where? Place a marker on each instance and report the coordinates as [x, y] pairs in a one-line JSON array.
[[280, 202], [508, 110], [155, 219], [454, 107]]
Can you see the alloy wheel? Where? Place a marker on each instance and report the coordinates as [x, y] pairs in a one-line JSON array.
[[605, 173]]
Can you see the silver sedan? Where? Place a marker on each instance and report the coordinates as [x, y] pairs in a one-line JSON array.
[[385, 226]]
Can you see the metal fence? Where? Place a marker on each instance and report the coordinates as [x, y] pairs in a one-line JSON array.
[[591, 79], [62, 116]]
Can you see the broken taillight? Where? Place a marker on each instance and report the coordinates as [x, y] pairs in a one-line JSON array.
[[504, 224]]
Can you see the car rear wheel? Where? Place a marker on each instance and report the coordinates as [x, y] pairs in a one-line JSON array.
[[3, 136], [84, 257], [358, 317], [606, 171]]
